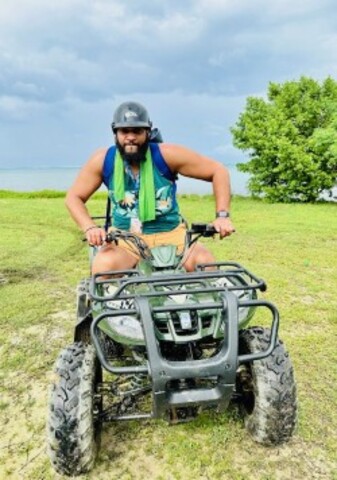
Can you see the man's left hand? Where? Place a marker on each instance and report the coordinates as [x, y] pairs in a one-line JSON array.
[[223, 226]]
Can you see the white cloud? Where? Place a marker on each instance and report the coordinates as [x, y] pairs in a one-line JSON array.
[[18, 13], [116, 21], [27, 88], [17, 108], [98, 47], [266, 10], [194, 62]]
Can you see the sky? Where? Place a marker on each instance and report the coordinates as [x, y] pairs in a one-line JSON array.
[[65, 66]]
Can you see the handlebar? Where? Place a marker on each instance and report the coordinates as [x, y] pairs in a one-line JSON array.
[[196, 231], [203, 229]]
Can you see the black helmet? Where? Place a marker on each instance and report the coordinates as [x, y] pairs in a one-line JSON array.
[[130, 114]]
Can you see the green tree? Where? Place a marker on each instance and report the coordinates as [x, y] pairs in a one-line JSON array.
[[291, 139]]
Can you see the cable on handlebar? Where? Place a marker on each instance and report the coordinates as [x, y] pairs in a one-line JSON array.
[[131, 239]]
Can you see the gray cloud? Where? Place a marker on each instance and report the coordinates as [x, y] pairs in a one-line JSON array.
[[65, 65]]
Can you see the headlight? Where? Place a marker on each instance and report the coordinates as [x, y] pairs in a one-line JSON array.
[[128, 329]]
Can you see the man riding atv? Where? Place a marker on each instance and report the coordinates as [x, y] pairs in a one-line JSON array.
[[140, 176], [152, 341]]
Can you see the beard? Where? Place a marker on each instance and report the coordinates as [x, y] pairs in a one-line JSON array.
[[134, 157]]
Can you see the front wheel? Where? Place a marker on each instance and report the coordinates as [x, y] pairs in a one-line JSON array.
[[267, 389], [73, 425]]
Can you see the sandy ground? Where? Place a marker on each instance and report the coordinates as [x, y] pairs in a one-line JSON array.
[[142, 451]]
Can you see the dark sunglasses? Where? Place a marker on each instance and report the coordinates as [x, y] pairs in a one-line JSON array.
[[135, 131]]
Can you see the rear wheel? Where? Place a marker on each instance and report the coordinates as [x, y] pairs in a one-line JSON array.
[[73, 427], [267, 390]]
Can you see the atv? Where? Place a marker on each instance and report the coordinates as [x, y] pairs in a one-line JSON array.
[[170, 344]]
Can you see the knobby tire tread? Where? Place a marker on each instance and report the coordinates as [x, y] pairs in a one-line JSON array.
[[273, 418], [71, 431]]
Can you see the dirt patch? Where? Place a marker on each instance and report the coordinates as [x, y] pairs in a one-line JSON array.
[[63, 315], [3, 279], [295, 460], [22, 275], [21, 432]]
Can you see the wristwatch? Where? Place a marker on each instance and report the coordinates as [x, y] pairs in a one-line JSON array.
[[222, 214]]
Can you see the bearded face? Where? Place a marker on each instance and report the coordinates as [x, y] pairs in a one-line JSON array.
[[132, 143]]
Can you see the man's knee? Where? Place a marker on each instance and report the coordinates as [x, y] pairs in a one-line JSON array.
[[199, 255], [112, 258]]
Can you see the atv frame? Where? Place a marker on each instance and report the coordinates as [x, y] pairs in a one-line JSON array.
[[178, 340]]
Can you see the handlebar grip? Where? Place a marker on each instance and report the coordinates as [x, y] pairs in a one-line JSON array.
[[204, 229]]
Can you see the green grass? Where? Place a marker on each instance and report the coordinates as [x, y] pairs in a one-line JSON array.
[[42, 258]]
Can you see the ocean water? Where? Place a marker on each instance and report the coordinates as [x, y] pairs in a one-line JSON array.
[[28, 180]]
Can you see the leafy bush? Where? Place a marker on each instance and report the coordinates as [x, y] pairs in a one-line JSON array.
[[291, 139]]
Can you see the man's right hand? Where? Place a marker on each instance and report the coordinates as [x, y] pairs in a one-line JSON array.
[[95, 236]]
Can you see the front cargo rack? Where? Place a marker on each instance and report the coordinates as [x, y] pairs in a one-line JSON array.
[[132, 285], [125, 281]]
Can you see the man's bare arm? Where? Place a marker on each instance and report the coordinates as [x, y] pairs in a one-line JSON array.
[[192, 164], [88, 181]]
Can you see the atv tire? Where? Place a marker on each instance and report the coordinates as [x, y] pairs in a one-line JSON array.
[[267, 389], [72, 430]]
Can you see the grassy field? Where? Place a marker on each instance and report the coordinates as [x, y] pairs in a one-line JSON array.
[[293, 247]]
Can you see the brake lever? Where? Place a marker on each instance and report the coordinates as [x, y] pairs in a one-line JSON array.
[[111, 237]]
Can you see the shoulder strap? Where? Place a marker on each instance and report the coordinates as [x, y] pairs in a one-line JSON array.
[[108, 165], [160, 163]]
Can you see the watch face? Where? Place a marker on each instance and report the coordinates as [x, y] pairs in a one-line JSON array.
[[222, 214]]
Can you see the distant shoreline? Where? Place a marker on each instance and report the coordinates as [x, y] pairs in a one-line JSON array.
[[61, 178], [29, 169]]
